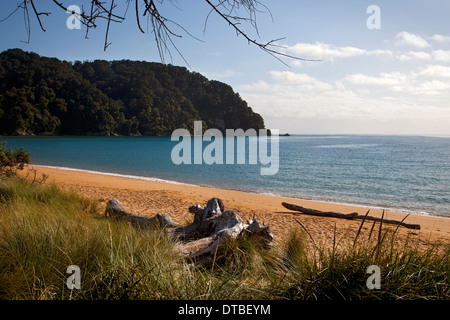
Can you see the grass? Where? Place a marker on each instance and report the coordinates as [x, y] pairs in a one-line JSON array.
[[44, 229]]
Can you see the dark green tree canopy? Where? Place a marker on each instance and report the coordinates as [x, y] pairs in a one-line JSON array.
[[40, 95]]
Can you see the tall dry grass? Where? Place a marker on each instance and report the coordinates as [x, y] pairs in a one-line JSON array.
[[43, 230]]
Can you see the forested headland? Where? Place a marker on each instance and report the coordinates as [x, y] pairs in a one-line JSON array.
[[47, 96]]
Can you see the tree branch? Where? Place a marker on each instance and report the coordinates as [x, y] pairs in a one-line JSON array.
[[263, 46], [228, 10], [38, 14]]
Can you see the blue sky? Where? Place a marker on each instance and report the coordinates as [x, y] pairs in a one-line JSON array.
[[392, 80]]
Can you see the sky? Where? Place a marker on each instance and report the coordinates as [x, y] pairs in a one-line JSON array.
[[379, 72]]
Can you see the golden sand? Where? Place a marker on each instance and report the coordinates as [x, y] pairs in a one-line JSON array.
[[148, 198]]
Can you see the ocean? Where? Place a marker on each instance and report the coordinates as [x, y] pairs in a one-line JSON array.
[[403, 173]]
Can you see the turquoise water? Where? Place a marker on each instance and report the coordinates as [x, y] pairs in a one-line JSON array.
[[406, 173]]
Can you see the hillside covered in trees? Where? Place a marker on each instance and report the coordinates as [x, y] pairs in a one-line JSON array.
[[40, 95]]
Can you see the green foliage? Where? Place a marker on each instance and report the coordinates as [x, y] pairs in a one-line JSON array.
[[41, 95], [12, 160]]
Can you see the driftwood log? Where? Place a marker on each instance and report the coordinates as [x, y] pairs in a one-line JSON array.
[[210, 228], [115, 209], [353, 215]]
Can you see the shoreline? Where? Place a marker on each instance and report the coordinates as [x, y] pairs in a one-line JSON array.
[[331, 202], [147, 198]]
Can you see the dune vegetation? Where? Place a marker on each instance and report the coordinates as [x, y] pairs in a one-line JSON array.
[[44, 230]]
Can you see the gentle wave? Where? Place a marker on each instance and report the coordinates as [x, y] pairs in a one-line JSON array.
[[269, 194], [117, 175], [347, 146]]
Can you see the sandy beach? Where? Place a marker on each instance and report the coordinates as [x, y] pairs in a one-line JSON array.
[[148, 198]]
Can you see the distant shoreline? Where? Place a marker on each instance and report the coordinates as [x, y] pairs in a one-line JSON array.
[[437, 135]]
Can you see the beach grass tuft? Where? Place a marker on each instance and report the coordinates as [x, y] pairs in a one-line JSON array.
[[44, 229]]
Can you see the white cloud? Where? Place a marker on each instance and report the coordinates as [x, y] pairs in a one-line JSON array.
[[432, 87], [379, 52], [436, 71], [441, 55], [321, 50], [339, 104], [325, 51], [384, 79], [403, 97], [307, 82], [431, 81], [440, 38], [418, 55], [413, 98], [437, 55], [409, 39]]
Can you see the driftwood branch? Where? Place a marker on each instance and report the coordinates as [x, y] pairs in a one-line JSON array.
[[210, 228], [314, 212], [116, 210], [352, 216]]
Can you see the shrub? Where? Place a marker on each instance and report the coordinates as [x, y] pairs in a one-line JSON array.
[[12, 160]]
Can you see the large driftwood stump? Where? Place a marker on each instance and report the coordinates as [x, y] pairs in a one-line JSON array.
[[210, 228]]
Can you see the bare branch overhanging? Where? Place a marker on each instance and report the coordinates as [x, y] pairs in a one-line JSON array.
[[236, 13]]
